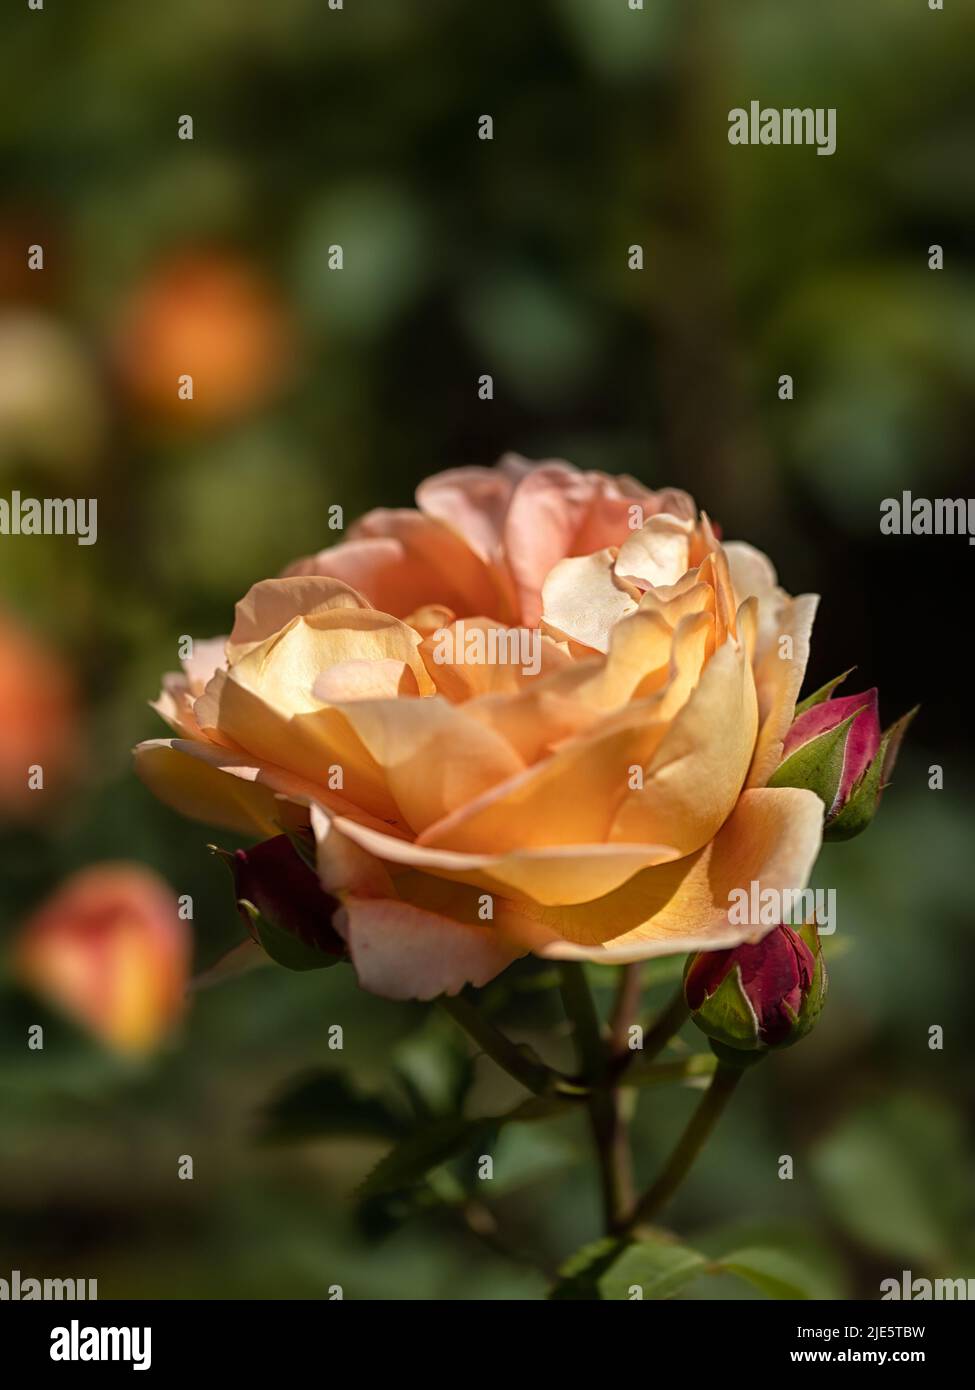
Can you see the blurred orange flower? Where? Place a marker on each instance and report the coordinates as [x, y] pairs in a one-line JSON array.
[[110, 949], [38, 721], [213, 317]]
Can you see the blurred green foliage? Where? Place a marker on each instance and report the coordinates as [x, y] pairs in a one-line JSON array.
[[313, 128]]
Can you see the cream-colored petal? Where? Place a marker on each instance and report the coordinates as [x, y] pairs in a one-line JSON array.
[[779, 674], [656, 554], [283, 668], [582, 599]]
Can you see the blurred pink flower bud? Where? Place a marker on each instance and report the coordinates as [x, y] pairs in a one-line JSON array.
[[110, 949]]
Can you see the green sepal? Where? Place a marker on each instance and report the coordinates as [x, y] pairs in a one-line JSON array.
[[727, 1017], [823, 693], [738, 1056], [283, 946], [817, 765], [815, 997], [859, 810]]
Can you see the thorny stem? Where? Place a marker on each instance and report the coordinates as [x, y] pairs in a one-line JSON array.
[[702, 1122], [604, 1058]]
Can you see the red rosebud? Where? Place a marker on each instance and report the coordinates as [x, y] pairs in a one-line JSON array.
[[755, 996], [283, 905]]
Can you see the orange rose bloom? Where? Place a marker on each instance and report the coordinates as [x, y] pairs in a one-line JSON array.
[[538, 713]]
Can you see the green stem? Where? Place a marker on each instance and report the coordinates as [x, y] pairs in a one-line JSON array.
[[534, 1076], [581, 1010], [625, 1007], [705, 1117], [606, 1118], [670, 1021]]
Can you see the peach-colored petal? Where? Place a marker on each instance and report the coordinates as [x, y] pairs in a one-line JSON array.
[[473, 502], [404, 952], [199, 789], [778, 678], [214, 784], [569, 798], [181, 689], [557, 512], [551, 874], [538, 719], [319, 745], [431, 755], [771, 838], [383, 679], [272, 604], [700, 764], [343, 866], [440, 566], [676, 601], [641, 651], [209, 654], [430, 617], [476, 656], [377, 567]]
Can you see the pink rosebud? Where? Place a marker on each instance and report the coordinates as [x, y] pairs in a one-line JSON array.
[[836, 749], [111, 950]]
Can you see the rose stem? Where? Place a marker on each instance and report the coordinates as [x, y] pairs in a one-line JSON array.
[[606, 1117], [625, 1006], [670, 1020], [509, 1057], [705, 1117]]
